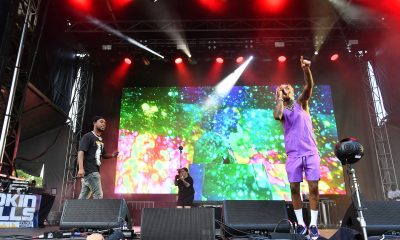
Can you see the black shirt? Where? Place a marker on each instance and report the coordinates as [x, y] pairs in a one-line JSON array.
[[90, 144], [185, 194]]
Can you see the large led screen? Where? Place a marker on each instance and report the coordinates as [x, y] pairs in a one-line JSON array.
[[232, 145]]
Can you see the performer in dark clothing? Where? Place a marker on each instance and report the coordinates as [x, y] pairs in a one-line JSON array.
[[185, 189], [91, 151]]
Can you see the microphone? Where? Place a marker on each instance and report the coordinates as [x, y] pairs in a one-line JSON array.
[[180, 148]]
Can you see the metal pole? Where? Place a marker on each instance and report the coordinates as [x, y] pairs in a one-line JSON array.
[[360, 218], [7, 117]]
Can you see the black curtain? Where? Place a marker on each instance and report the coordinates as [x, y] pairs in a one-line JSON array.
[[63, 73], [4, 7]]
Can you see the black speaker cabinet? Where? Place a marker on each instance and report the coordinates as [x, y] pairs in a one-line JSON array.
[[95, 213], [380, 216], [256, 215], [177, 224]]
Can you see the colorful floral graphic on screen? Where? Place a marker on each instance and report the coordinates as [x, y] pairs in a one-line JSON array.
[[233, 147]]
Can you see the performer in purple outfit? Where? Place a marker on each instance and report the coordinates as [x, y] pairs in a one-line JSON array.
[[301, 148]]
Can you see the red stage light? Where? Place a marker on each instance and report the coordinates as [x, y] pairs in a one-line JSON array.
[[272, 6], [84, 5], [127, 60], [282, 59], [178, 60], [219, 60], [213, 5], [239, 59], [335, 57], [120, 3]]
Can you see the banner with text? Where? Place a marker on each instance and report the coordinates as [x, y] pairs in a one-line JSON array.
[[19, 210]]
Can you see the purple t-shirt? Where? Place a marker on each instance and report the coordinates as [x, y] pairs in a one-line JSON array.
[[299, 132]]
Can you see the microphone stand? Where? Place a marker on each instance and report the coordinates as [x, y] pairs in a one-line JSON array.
[[352, 172]]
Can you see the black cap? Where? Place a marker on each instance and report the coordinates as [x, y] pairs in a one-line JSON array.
[[96, 118]]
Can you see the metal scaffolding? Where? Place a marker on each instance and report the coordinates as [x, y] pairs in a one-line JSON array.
[[379, 132], [210, 35], [224, 25], [77, 111], [17, 57]]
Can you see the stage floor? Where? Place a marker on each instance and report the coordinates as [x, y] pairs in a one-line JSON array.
[[34, 233]]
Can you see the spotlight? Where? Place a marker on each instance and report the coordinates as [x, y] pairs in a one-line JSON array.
[[316, 53], [178, 60], [219, 60], [127, 60], [239, 59], [81, 55], [282, 58], [349, 151], [335, 57]]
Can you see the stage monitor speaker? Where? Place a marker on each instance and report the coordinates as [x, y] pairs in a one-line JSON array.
[[256, 215], [177, 224], [95, 213], [380, 216]]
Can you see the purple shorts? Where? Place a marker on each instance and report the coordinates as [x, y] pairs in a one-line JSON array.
[[310, 165]]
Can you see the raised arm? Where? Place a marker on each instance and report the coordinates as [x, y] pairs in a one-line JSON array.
[[278, 110], [308, 83]]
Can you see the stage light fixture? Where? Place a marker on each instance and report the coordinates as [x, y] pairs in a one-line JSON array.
[[119, 34], [120, 3], [271, 6], [213, 5], [81, 55], [335, 57], [127, 60], [316, 53], [178, 60], [106, 47], [182, 45], [279, 44], [82, 5], [282, 58], [353, 42], [219, 60], [239, 59]]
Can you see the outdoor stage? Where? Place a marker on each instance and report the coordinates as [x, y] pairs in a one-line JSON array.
[[199, 85]]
